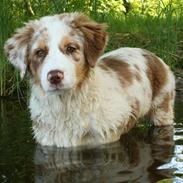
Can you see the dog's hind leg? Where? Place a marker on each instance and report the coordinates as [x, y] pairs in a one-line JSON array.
[[162, 112]]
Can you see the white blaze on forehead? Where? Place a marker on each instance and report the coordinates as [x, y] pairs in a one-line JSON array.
[[52, 30]]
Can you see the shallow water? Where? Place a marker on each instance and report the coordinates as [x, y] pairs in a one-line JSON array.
[[145, 155]]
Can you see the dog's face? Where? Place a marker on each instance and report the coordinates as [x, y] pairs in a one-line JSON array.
[[58, 51]]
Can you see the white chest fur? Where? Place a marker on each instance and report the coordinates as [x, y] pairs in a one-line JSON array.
[[93, 115]]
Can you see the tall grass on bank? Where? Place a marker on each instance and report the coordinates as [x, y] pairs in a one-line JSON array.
[[5, 71], [162, 36], [161, 32]]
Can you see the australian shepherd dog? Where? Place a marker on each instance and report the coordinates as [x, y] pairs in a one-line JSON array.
[[79, 96]]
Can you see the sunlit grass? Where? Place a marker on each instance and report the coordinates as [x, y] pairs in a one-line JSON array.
[[158, 30]]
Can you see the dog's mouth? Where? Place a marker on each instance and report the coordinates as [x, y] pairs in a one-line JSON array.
[[57, 87], [54, 89]]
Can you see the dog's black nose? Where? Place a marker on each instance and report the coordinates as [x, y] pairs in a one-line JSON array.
[[55, 77]]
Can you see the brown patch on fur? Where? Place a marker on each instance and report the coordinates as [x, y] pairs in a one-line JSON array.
[[76, 55], [156, 73], [135, 115], [82, 73], [138, 76], [165, 105], [137, 67], [121, 68], [95, 37], [104, 67], [136, 109], [65, 41], [75, 32], [34, 61], [72, 33], [42, 45]]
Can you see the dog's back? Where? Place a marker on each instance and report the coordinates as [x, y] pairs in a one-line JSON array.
[[146, 79]]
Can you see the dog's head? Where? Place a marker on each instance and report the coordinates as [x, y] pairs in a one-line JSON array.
[[58, 51]]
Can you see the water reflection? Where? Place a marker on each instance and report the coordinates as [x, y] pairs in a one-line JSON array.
[[145, 155], [135, 158]]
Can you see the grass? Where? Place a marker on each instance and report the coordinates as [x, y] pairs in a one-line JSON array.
[[161, 33]]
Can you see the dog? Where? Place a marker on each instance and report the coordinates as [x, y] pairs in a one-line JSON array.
[[79, 97]]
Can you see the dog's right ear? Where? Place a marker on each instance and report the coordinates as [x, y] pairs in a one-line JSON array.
[[16, 47]]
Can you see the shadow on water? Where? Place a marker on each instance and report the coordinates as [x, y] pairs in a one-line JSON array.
[[145, 155]]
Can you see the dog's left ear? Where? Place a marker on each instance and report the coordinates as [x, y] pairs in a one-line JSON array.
[[95, 37], [16, 47]]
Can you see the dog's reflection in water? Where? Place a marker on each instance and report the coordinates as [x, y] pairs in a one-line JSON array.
[[135, 158]]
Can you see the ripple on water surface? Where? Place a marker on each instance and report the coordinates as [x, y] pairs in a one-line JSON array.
[[145, 155]]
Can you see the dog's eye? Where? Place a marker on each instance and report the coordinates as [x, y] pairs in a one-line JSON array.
[[70, 49], [40, 52]]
